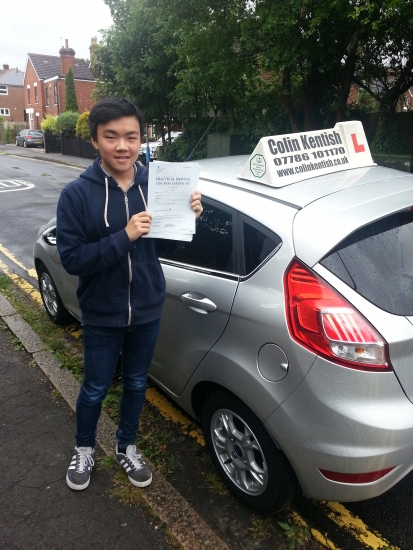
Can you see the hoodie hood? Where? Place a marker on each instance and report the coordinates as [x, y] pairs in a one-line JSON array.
[[96, 174]]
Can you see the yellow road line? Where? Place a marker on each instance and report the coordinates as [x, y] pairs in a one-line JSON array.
[[21, 283], [321, 539], [359, 530], [170, 413], [12, 257]]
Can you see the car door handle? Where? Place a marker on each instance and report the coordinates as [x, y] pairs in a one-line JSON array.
[[198, 303]]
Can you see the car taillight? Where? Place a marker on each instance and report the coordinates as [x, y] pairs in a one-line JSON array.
[[320, 319]]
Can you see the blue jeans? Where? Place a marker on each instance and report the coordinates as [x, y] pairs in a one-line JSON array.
[[102, 346]]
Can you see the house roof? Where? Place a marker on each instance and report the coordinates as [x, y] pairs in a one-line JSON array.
[[48, 66], [11, 77]]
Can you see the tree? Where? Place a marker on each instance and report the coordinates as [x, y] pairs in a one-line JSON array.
[[215, 66], [385, 69], [315, 50], [262, 65], [71, 99], [136, 59]]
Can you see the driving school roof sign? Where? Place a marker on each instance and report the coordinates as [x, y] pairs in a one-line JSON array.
[[285, 159]]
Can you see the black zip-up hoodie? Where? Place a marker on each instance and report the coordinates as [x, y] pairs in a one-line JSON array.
[[120, 283]]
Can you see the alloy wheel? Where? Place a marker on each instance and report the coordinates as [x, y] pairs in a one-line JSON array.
[[49, 294], [239, 452]]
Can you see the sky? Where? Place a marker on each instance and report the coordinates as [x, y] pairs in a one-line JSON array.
[[42, 27]]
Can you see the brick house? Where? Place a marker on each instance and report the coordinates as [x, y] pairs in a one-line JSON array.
[[12, 94], [44, 84]]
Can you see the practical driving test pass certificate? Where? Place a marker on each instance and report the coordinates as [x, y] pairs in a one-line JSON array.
[[169, 191]]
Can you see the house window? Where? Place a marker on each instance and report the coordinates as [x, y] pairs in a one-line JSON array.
[[36, 100], [55, 94], [3, 90], [28, 95], [47, 96], [5, 112]]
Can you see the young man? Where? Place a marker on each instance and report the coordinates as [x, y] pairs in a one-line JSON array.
[[101, 218]]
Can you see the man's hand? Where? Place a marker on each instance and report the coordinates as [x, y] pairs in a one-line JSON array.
[[196, 203], [138, 225]]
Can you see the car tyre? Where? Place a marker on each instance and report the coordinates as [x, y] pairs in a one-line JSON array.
[[51, 299], [24, 143], [17, 143], [245, 455]]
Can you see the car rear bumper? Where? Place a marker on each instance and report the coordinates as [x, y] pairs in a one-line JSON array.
[[34, 144], [345, 421]]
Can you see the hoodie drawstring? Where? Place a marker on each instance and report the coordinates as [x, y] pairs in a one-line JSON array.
[[106, 203]]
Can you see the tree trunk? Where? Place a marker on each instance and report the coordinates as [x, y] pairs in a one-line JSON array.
[[345, 86], [285, 99]]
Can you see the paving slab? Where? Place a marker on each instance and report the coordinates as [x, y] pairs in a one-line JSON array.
[[5, 307]]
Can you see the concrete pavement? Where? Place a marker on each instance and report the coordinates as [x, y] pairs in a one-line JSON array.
[[39, 154], [37, 509]]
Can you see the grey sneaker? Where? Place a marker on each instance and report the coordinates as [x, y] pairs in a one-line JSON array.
[[78, 473], [137, 471]]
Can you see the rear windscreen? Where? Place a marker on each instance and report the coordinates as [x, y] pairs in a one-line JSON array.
[[377, 262]]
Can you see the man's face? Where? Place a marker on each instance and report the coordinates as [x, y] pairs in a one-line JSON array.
[[118, 142]]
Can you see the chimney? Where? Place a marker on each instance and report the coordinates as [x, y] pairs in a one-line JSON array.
[[5, 67], [93, 43], [67, 58]]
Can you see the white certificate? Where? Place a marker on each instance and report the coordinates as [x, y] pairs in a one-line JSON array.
[[169, 191]]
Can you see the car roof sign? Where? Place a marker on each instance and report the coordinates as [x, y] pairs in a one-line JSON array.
[[281, 160]]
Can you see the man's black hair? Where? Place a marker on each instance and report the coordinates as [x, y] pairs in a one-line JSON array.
[[112, 108]]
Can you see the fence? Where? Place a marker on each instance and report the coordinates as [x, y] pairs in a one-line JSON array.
[[78, 147], [51, 143]]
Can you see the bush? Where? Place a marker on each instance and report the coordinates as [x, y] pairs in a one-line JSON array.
[[7, 135], [48, 124], [82, 126], [66, 123]]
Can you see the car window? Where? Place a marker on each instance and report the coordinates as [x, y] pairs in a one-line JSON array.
[[212, 245], [35, 133], [259, 243], [377, 262]]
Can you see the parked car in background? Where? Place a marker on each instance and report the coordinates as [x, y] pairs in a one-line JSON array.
[[153, 145], [288, 325], [30, 138]]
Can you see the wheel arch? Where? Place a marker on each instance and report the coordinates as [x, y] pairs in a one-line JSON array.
[[201, 391]]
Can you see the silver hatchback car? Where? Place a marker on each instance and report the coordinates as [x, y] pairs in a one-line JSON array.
[[288, 330]]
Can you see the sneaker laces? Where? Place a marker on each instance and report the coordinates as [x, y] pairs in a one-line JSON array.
[[135, 458], [84, 458]]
